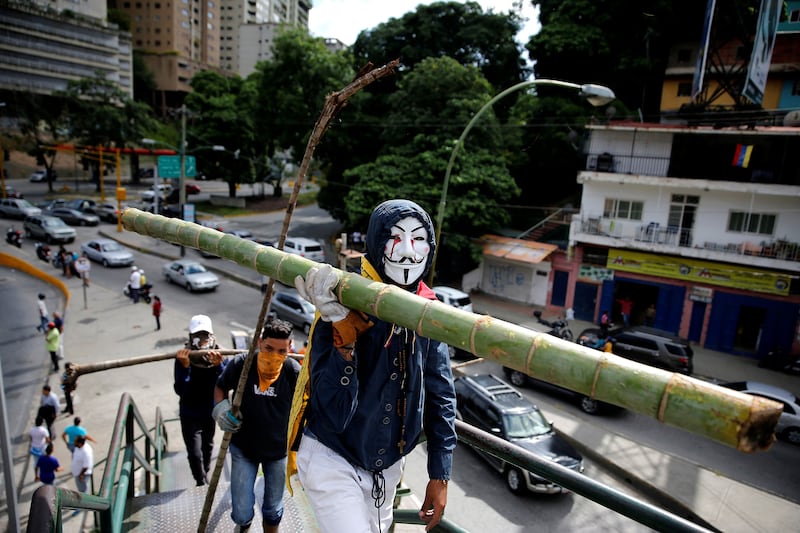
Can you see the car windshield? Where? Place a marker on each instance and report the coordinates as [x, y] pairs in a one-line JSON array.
[[54, 222], [111, 247], [24, 203], [195, 269], [307, 307], [525, 425]]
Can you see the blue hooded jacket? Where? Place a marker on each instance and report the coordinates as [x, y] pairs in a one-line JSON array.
[[355, 406]]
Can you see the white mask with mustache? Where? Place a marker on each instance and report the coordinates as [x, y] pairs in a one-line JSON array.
[[405, 254]]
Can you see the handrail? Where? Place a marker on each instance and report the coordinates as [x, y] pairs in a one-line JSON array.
[[622, 503], [48, 501]]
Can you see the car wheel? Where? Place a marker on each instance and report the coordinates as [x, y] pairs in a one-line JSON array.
[[105, 263], [189, 287], [306, 329], [792, 435], [515, 481], [82, 223], [568, 335], [169, 279], [589, 406], [518, 378]]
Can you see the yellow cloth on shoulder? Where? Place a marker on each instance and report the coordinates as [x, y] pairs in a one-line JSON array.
[[302, 391]]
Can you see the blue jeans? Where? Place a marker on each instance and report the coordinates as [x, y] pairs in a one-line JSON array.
[[243, 479]]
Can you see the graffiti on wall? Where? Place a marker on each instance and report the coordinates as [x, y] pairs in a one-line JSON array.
[[508, 279]]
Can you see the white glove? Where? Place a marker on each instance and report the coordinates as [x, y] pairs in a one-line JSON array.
[[317, 288], [225, 419]]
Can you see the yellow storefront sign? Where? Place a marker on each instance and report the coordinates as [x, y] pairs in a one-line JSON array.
[[698, 271]]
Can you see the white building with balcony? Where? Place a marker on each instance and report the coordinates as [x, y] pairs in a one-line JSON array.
[[701, 222]]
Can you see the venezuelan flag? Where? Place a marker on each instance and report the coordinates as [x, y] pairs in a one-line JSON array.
[[741, 158]]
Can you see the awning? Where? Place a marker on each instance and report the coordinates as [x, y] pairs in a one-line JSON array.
[[516, 249]]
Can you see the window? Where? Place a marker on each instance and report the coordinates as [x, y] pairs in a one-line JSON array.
[[796, 88], [623, 209], [684, 89], [794, 15], [759, 223]]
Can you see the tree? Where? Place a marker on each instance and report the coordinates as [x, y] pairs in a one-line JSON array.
[[432, 106], [219, 116], [102, 115], [291, 91], [42, 121], [623, 44]]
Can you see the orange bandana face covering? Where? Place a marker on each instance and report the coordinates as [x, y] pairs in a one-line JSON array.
[[269, 368]]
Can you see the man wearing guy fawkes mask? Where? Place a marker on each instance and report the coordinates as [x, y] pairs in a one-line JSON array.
[[194, 384], [369, 385]]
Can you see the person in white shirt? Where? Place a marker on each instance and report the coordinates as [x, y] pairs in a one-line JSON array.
[[82, 462], [43, 320], [39, 437], [135, 284]]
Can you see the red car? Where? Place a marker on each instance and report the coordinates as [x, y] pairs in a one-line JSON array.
[[191, 188], [11, 192]]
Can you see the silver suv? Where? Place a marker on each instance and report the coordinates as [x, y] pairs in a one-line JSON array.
[[308, 248], [48, 229], [649, 346]]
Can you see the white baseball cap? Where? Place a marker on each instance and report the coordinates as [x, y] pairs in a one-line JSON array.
[[200, 323]]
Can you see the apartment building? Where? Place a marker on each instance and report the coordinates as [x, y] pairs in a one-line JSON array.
[[45, 45], [249, 27], [700, 222]]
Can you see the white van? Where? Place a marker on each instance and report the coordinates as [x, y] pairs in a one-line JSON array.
[[453, 297], [308, 248]]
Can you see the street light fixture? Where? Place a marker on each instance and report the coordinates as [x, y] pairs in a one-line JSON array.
[[596, 95]]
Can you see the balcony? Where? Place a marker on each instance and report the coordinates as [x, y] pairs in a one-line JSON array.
[[666, 239]]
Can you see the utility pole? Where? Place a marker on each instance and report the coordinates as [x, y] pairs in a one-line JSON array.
[[182, 178]]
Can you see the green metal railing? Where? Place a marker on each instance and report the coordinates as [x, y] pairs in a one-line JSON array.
[[124, 458]]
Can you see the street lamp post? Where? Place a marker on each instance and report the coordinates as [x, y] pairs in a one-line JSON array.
[[597, 95], [182, 177]]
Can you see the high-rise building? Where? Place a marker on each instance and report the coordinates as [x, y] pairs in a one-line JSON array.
[[45, 45]]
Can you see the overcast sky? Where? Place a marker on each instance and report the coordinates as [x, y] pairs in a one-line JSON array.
[[344, 19]]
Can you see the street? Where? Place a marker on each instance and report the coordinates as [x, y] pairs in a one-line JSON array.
[[478, 497]]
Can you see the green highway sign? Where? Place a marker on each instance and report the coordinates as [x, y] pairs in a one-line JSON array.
[[169, 166]]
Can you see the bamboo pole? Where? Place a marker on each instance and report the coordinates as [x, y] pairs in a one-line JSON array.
[[741, 421]]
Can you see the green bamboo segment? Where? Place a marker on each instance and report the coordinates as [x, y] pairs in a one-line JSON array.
[[744, 422]]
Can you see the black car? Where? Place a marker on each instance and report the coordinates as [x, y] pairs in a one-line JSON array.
[[588, 405], [492, 405], [646, 345]]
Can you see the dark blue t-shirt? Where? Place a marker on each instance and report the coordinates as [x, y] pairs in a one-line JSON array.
[[47, 469]]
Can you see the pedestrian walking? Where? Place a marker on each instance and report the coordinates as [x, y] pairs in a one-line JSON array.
[[40, 437], [49, 408], [605, 323], [43, 316], [259, 436], [135, 283], [52, 342], [195, 387], [650, 315], [73, 432], [59, 322], [68, 386], [47, 466], [157, 311], [82, 463]]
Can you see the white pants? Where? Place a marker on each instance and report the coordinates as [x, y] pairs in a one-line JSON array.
[[341, 494]]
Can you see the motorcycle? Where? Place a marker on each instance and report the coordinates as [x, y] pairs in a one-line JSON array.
[[43, 252], [559, 328], [144, 292], [780, 360], [14, 236]]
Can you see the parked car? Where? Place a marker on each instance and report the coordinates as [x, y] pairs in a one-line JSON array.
[[646, 345], [492, 405], [192, 188], [11, 192], [18, 208], [107, 252], [46, 205], [149, 194], [291, 307], [191, 275], [587, 405], [243, 233], [40, 175], [49, 229], [106, 212], [453, 297], [74, 217], [308, 248], [457, 299], [789, 423]]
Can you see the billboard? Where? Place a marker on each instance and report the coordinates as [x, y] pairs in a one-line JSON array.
[[768, 17]]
